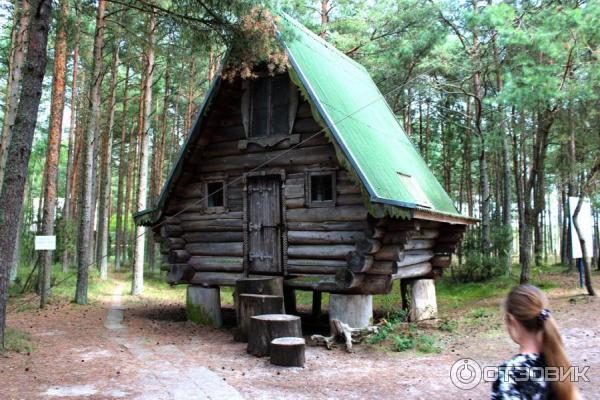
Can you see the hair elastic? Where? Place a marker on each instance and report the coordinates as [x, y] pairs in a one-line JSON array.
[[544, 314]]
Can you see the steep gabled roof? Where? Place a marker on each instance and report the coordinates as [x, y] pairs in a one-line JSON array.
[[361, 122]]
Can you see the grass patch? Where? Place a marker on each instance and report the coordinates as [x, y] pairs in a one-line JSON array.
[[17, 341], [427, 344]]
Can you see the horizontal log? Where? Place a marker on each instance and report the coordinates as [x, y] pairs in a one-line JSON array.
[[398, 237], [349, 200], [374, 284], [172, 230], [207, 216], [211, 263], [362, 284], [306, 125], [312, 269], [193, 237], [215, 225], [324, 237], [441, 261], [368, 246], [413, 271], [179, 273], [426, 234], [178, 256], [191, 190], [359, 262], [189, 205], [390, 253], [230, 249], [215, 278], [347, 188], [383, 268], [327, 226], [314, 266], [339, 251], [168, 244], [294, 190], [449, 237], [415, 257], [374, 232], [323, 214], [416, 244], [295, 203], [279, 158], [317, 262], [220, 149]]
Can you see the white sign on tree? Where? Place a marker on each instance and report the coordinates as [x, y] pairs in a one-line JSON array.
[[45, 242], [586, 226]]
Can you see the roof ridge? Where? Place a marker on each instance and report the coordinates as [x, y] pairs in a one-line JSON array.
[[320, 40]]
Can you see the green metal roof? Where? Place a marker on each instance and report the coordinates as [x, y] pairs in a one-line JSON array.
[[364, 126], [361, 122]]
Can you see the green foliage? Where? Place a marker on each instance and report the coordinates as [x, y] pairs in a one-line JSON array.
[[447, 325], [390, 324], [403, 342], [427, 344]]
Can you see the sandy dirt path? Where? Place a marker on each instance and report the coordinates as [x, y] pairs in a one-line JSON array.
[[148, 351]]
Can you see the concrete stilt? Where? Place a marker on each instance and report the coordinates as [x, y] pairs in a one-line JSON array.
[[203, 305], [423, 303], [352, 309]]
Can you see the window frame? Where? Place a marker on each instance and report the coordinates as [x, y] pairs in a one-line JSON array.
[[269, 124], [308, 185], [215, 209]]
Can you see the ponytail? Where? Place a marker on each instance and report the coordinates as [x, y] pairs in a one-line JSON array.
[[554, 353], [528, 305]]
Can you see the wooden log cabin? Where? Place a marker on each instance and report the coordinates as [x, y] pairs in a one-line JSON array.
[[307, 175]]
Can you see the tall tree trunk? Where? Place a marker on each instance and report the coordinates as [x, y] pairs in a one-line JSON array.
[[534, 193], [137, 284], [15, 72], [69, 189], [105, 171], [122, 176], [572, 175], [19, 149], [324, 17], [505, 257], [85, 220], [57, 106], [467, 160], [189, 115]]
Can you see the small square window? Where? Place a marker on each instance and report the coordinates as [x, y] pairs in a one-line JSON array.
[[215, 193], [320, 189]]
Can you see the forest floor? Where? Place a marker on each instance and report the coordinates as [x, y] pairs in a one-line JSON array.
[[125, 347]]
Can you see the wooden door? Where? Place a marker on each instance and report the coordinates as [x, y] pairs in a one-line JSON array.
[[264, 224]]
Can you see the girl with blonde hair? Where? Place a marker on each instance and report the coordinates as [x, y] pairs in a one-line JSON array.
[[531, 325]]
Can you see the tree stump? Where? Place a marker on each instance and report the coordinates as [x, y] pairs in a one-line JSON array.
[[271, 285], [250, 305], [288, 351], [265, 328]]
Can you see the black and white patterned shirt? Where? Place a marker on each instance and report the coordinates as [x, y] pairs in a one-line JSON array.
[[522, 378]]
